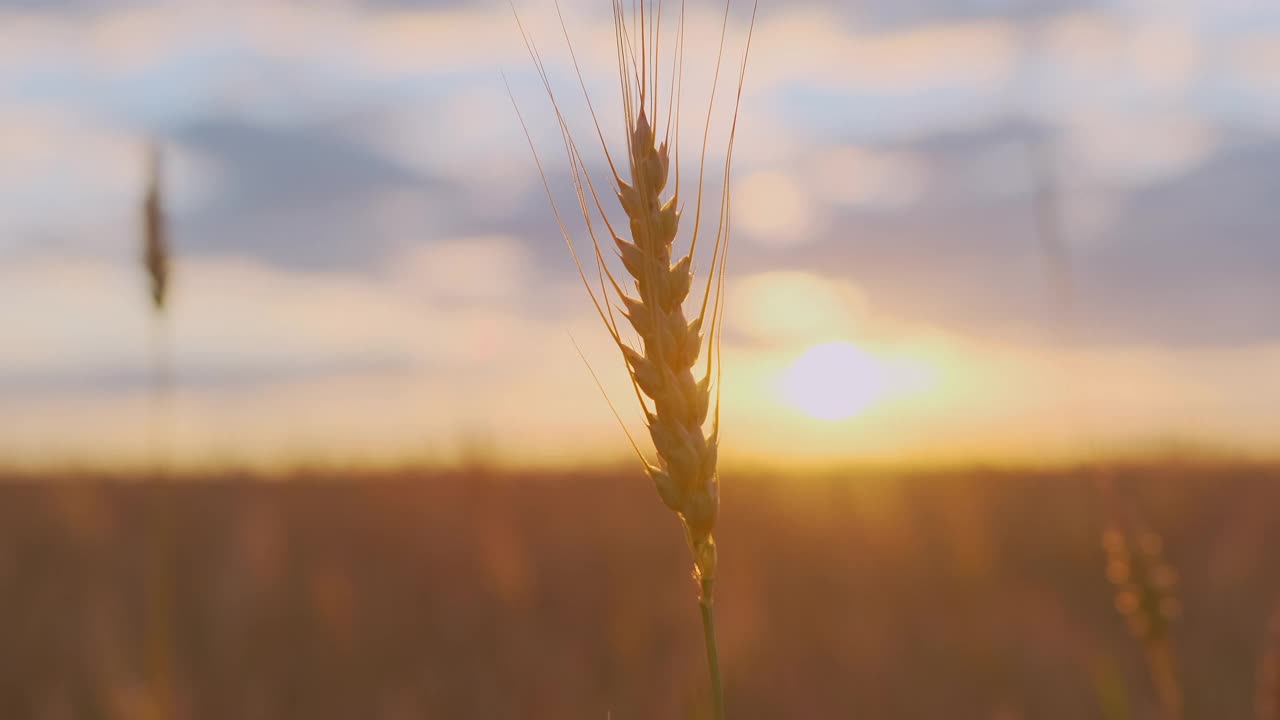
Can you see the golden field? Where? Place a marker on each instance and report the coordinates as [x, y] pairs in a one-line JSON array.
[[874, 593]]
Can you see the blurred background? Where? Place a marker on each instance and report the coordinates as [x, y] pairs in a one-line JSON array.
[[1005, 274]]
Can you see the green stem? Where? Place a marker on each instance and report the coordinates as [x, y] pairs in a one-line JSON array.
[[713, 658]]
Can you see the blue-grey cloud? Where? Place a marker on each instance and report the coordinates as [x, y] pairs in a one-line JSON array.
[[297, 198], [60, 6], [193, 376], [1194, 259], [880, 14], [898, 13], [1190, 260]]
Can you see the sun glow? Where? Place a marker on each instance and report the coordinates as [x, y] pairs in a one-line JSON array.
[[833, 381]]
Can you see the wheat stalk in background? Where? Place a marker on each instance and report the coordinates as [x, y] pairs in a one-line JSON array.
[[156, 266], [1135, 565], [677, 394]]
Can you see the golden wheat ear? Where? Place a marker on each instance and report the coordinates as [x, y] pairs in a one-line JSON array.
[[650, 289], [675, 404]]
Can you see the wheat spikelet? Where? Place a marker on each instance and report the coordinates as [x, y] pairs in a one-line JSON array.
[[663, 368]]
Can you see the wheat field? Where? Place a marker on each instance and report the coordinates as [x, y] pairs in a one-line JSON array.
[[494, 595]]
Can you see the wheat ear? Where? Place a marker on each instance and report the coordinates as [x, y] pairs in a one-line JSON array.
[[677, 394], [1145, 598]]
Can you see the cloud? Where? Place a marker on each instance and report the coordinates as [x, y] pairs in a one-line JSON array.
[[1191, 260], [815, 45], [78, 322], [474, 269], [1257, 58], [56, 167], [226, 315], [868, 178], [1251, 89], [306, 198], [472, 137], [785, 308], [52, 7], [772, 209], [1092, 65], [1120, 151], [357, 217], [45, 385], [274, 364], [1166, 55], [889, 14]]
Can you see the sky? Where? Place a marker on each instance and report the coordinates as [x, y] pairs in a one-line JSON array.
[[964, 229]]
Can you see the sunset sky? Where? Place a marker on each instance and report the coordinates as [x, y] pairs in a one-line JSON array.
[[962, 229]]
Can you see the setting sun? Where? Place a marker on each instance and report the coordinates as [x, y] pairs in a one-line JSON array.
[[833, 381]]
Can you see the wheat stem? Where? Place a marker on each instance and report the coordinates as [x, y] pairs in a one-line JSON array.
[[156, 257], [713, 654]]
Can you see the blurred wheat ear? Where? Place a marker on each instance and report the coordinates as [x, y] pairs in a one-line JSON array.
[[1145, 583], [678, 395], [155, 232]]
